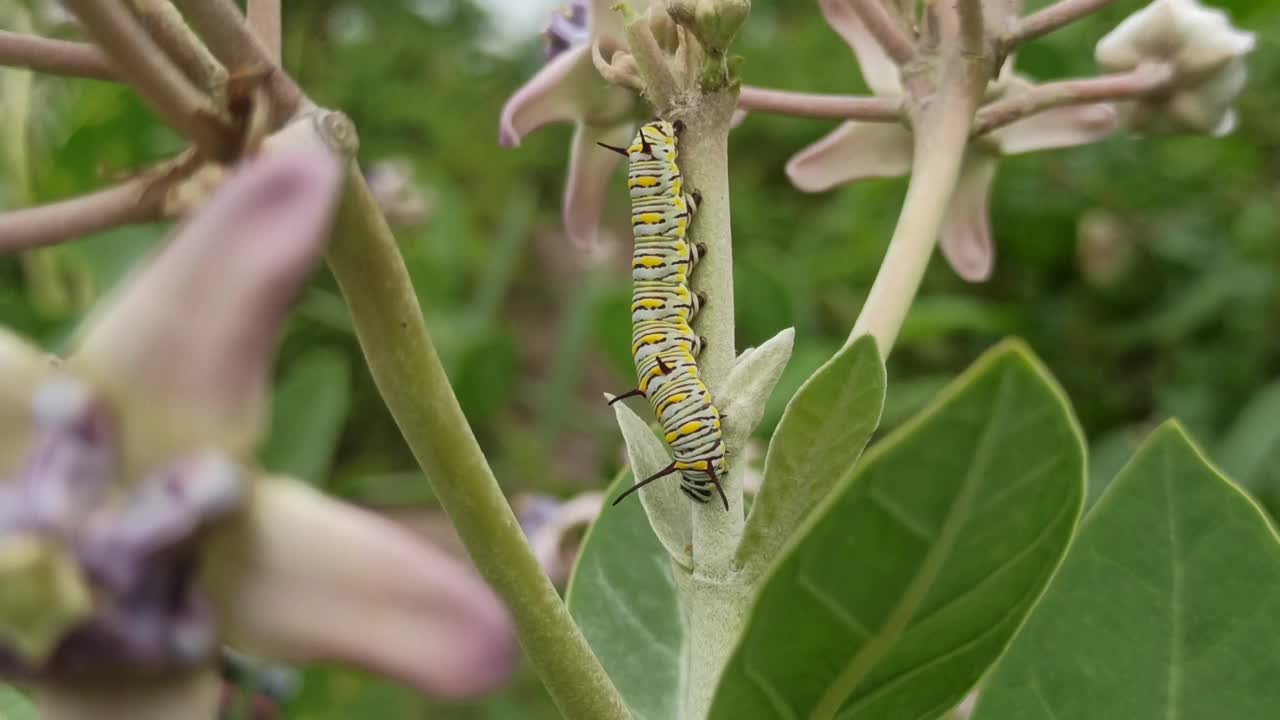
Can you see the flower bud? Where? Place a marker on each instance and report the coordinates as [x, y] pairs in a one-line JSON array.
[[1205, 52], [713, 22]]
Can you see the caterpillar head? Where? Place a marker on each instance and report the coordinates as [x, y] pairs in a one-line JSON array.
[[656, 141]]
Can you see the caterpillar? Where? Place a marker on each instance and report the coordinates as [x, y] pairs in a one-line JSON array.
[[663, 344]]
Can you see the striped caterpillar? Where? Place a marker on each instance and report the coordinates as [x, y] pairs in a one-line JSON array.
[[663, 344]]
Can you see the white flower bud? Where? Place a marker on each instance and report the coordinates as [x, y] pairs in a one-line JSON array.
[[1205, 52]]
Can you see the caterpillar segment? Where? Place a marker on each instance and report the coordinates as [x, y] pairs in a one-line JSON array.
[[663, 343]]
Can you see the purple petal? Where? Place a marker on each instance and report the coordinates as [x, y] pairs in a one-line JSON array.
[[879, 72], [557, 93], [310, 578], [852, 152], [164, 698], [22, 367], [567, 29], [1058, 128], [966, 231], [590, 169], [184, 347]]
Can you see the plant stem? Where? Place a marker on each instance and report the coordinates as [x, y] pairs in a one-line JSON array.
[[221, 25], [165, 25], [264, 20], [885, 29], [1045, 21], [384, 308], [136, 201], [942, 127], [715, 604], [162, 85], [832, 107], [58, 57], [1143, 80]]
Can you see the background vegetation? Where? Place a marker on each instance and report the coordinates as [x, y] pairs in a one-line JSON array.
[[1144, 271]]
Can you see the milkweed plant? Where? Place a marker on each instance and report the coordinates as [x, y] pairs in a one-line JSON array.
[[947, 569]]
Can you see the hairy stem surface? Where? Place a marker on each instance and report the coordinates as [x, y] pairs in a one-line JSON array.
[[827, 107], [370, 271], [715, 612]]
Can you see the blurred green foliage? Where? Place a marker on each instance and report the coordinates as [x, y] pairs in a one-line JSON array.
[[1144, 271]]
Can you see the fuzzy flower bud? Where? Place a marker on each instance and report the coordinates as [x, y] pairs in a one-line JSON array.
[[1205, 52], [713, 22]]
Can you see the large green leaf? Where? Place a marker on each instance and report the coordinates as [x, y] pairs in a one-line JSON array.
[[623, 596], [909, 580], [1167, 606], [821, 435], [308, 411]]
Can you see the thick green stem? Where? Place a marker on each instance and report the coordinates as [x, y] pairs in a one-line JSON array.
[[367, 263], [714, 601], [942, 125]]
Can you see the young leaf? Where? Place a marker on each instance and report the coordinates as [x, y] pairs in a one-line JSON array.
[[623, 596], [822, 433], [1166, 607], [667, 508], [307, 414], [910, 578], [750, 384]]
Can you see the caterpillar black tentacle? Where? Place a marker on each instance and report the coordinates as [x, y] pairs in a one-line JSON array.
[[663, 343]]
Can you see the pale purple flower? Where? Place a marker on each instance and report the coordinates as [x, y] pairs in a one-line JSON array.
[[137, 534], [555, 529], [862, 150], [1207, 55], [570, 89]]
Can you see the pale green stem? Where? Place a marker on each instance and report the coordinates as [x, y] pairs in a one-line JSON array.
[[366, 261], [714, 600], [942, 126]]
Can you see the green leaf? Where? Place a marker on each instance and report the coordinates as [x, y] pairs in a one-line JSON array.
[[622, 594], [746, 391], [1166, 607], [910, 579], [822, 434], [1250, 450], [308, 412], [668, 509], [15, 706]]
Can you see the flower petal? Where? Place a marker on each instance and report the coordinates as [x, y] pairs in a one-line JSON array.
[[1058, 128], [852, 152], [557, 93], [190, 696], [607, 26], [183, 348], [309, 578], [21, 369], [966, 231], [879, 72], [590, 167]]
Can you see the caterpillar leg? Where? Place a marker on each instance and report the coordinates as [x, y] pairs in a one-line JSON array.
[[711, 473], [630, 393], [661, 473]]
